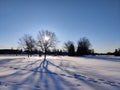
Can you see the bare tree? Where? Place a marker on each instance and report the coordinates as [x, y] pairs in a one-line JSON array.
[[46, 40], [27, 42], [69, 46]]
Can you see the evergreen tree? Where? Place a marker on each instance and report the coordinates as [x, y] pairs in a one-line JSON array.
[[83, 47], [70, 48]]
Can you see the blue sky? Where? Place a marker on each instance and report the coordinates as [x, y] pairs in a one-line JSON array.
[[98, 20]]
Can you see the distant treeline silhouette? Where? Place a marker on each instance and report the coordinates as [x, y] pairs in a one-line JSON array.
[[54, 52], [115, 53], [10, 51]]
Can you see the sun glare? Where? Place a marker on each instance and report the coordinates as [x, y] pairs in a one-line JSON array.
[[46, 38]]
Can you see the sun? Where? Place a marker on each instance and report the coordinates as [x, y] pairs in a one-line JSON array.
[[46, 38]]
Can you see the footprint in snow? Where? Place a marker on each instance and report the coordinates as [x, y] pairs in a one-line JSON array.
[[118, 82], [101, 79], [15, 68], [93, 80], [10, 67], [77, 76], [70, 76], [23, 69], [78, 85], [111, 83], [54, 73], [83, 76], [62, 74], [37, 86], [3, 83]]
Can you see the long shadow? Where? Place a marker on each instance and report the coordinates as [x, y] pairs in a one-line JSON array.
[[45, 75], [67, 71], [35, 77], [43, 67], [82, 78], [42, 75], [57, 80], [30, 65]]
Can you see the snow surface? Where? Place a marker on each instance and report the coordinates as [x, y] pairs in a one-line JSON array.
[[59, 73]]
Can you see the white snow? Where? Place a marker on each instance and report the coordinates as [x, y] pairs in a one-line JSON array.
[[59, 73]]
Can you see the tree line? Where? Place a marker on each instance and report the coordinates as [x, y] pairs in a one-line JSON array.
[[46, 43], [83, 47]]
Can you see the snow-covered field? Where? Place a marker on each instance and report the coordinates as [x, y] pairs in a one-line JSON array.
[[59, 73]]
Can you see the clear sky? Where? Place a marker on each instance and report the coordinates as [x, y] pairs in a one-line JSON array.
[[98, 20]]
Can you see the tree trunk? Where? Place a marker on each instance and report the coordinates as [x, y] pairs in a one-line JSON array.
[[28, 53], [45, 55]]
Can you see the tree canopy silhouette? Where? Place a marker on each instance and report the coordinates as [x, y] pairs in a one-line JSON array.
[[46, 40], [69, 46], [27, 42], [83, 46]]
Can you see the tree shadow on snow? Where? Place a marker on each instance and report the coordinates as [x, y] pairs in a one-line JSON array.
[[51, 79], [40, 78]]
